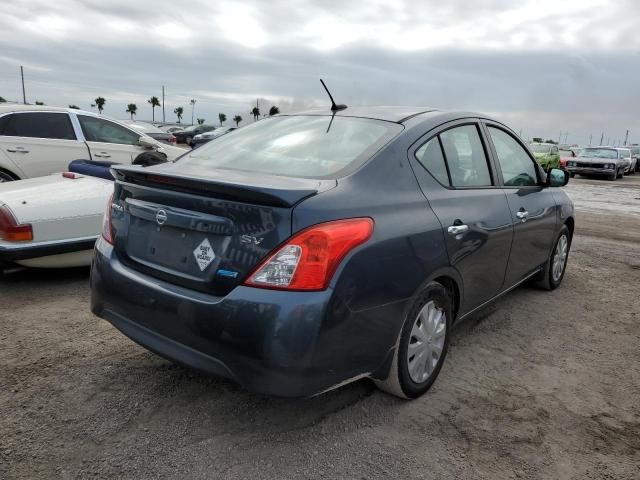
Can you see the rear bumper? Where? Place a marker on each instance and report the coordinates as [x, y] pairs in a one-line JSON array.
[[25, 251], [269, 341]]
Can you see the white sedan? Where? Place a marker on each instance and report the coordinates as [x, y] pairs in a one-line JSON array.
[[51, 221]]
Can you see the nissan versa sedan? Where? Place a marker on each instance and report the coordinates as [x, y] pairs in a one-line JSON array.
[[307, 251]]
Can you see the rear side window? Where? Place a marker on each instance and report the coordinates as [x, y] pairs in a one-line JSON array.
[[103, 131], [456, 158], [38, 125], [624, 154], [518, 169], [298, 146]]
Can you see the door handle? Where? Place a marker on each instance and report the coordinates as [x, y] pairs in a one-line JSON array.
[[17, 150], [457, 229], [522, 214], [102, 155]]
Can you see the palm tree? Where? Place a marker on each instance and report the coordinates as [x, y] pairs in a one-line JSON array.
[[192, 102], [154, 103], [200, 121], [237, 119], [256, 113], [178, 111], [2, 100], [75, 107], [222, 117], [274, 111], [100, 101], [131, 109]]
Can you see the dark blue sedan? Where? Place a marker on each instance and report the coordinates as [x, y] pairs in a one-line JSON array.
[[307, 251]]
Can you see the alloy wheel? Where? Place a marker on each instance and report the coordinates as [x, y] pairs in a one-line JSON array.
[[559, 257]]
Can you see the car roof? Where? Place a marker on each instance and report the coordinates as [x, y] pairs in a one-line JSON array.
[[19, 107], [396, 114]]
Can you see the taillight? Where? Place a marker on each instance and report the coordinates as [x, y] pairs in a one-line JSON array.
[[106, 222], [10, 230], [172, 139], [308, 260]]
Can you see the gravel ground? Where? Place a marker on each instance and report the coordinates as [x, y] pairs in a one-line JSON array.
[[539, 385]]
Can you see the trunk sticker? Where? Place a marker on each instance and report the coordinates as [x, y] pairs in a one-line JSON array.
[[204, 254]]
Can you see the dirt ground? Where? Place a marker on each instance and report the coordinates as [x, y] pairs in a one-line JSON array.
[[539, 385]]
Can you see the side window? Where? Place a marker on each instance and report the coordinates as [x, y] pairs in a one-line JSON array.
[[103, 131], [39, 125], [554, 150], [430, 157], [465, 157], [518, 169]]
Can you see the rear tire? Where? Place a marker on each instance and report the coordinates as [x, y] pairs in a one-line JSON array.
[[6, 177], [572, 175], [557, 263], [422, 344], [187, 140], [621, 173]]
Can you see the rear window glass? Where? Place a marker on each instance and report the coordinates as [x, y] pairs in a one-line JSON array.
[[300, 146]]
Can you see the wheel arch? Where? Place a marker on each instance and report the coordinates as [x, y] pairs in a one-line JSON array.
[[10, 173]]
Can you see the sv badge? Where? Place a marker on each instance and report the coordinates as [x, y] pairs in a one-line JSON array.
[[251, 239]]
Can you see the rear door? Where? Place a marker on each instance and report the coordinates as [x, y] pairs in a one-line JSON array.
[[40, 143], [532, 206], [458, 181], [110, 141]]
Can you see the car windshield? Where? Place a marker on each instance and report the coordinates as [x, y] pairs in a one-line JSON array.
[[300, 146], [540, 148], [598, 153]]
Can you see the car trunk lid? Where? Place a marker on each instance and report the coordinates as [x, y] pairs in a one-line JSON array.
[[204, 232]]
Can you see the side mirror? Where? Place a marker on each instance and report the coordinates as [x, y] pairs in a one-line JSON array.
[[557, 177], [147, 142]]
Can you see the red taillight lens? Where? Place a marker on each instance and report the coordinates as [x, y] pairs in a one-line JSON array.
[[106, 222], [308, 260], [10, 230], [172, 139]]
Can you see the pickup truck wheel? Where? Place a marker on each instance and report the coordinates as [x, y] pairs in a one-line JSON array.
[[422, 344]]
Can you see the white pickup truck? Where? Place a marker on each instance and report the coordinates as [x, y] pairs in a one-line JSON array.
[[40, 140]]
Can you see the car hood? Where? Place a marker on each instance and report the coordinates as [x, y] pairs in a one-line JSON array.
[[594, 160]]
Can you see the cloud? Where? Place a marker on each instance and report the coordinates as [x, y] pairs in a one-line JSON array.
[[544, 65]]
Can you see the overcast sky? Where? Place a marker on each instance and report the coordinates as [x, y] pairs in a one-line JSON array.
[[543, 66]]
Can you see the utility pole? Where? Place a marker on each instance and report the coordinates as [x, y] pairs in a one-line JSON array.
[[24, 95], [566, 134], [626, 138], [163, 121], [601, 138], [560, 137], [590, 137]]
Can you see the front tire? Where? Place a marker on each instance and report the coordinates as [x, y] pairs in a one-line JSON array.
[[557, 262], [5, 177], [422, 345]]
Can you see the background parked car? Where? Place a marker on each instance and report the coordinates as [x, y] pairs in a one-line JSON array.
[[625, 154], [635, 154], [566, 153], [152, 131], [546, 154], [203, 138], [598, 161], [186, 135], [40, 140]]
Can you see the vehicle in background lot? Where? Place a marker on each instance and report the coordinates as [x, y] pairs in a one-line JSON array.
[[625, 154], [635, 155], [303, 252], [171, 128], [598, 161], [152, 131], [567, 153], [40, 140], [186, 135], [203, 138], [546, 154], [54, 221]]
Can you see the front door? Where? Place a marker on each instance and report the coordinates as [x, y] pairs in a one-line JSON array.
[[531, 204], [40, 143], [109, 141], [472, 210]]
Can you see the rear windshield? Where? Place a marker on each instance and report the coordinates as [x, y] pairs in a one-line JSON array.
[[598, 153], [299, 146], [540, 148]]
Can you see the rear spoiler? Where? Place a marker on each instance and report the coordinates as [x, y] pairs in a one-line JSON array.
[[272, 190]]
